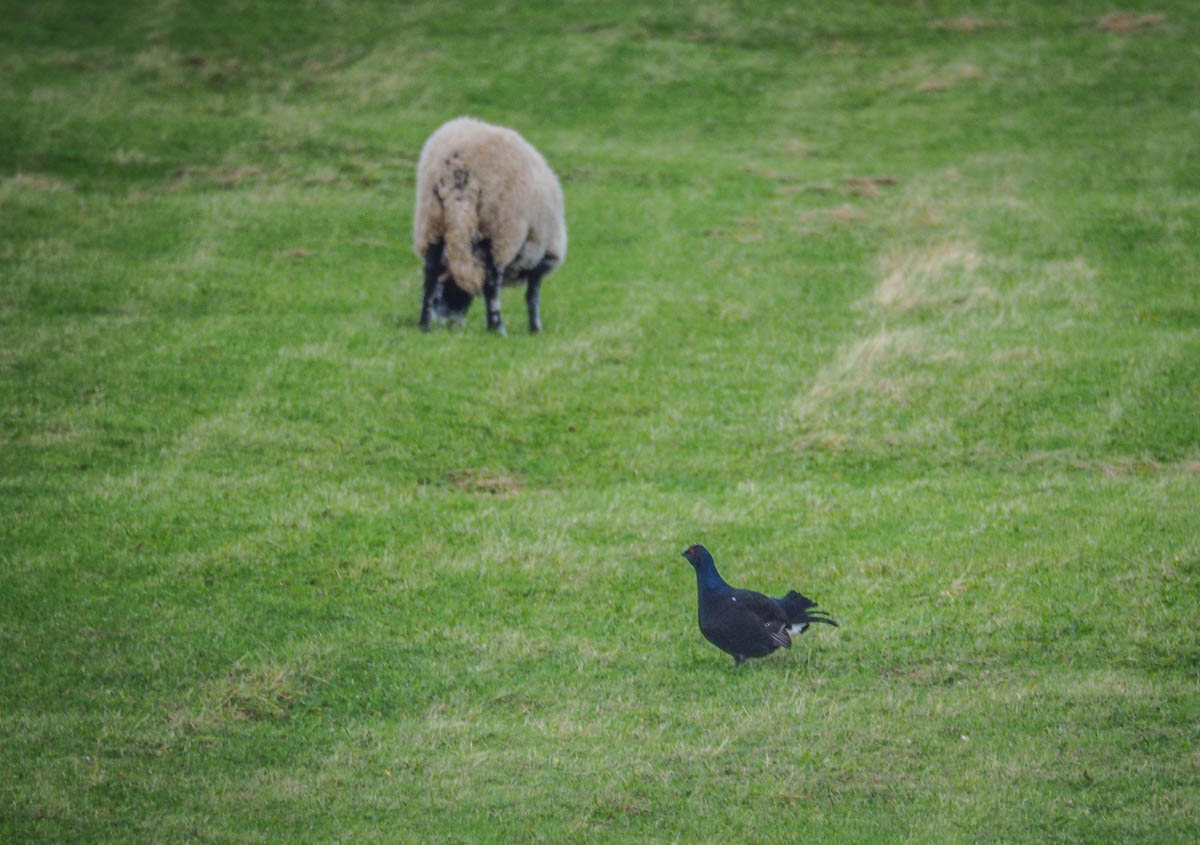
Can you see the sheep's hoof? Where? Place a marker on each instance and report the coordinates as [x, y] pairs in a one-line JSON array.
[[499, 330]]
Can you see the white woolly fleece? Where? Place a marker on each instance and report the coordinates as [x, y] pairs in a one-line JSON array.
[[478, 183]]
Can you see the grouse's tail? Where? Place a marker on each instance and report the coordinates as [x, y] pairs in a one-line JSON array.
[[800, 613]]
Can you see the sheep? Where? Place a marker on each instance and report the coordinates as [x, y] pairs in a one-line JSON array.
[[489, 213]]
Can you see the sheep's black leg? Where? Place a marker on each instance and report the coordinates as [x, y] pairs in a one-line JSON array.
[[533, 289], [491, 297], [433, 269]]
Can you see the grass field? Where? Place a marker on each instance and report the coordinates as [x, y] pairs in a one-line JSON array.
[[895, 303]]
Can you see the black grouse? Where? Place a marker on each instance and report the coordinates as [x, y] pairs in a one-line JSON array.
[[745, 623]]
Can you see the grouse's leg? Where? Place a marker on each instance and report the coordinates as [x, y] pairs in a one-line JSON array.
[[433, 269]]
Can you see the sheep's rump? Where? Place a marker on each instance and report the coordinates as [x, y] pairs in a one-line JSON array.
[[487, 193]]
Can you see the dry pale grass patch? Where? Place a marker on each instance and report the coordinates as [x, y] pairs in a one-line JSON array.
[[876, 370], [939, 308], [59, 433], [1121, 467], [26, 183], [185, 178], [52, 253], [384, 76], [162, 64], [1065, 282], [951, 76], [133, 157], [581, 351], [926, 77], [931, 308], [246, 693], [939, 275], [848, 214], [887, 365], [175, 69]]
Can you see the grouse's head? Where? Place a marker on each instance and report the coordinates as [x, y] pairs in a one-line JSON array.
[[697, 556]]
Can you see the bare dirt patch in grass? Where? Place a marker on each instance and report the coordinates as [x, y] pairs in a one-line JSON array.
[[233, 176], [1129, 21], [868, 187], [967, 24], [485, 482]]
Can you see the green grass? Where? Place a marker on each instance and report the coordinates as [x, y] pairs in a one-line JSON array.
[[897, 304]]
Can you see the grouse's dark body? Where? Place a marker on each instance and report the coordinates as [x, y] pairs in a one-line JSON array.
[[745, 623]]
